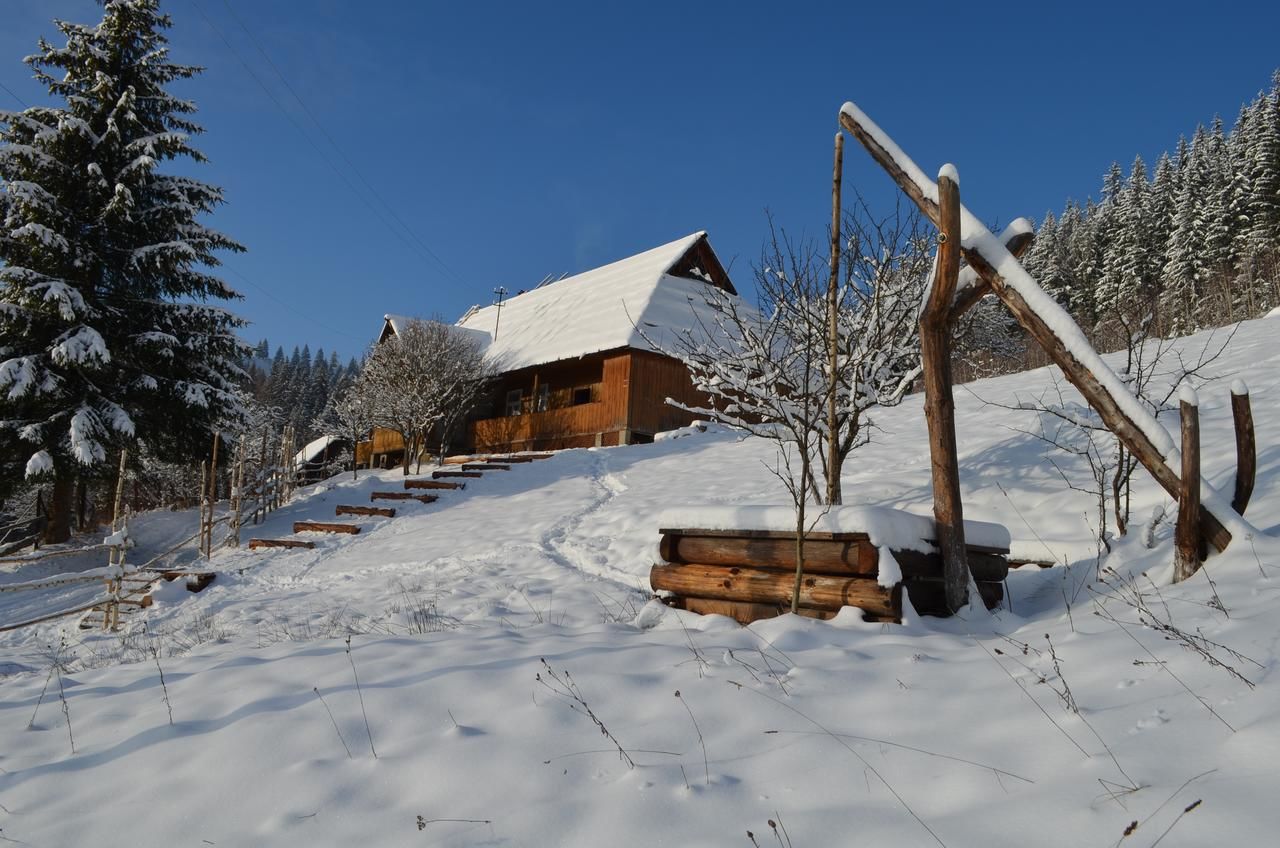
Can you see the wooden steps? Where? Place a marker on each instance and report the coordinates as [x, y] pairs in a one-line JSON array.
[[255, 544], [348, 509], [443, 475], [325, 527], [433, 484], [486, 466], [403, 496]]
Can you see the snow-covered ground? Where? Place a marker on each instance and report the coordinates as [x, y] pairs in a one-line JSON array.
[[476, 620]]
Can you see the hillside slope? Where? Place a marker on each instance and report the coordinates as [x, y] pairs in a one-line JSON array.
[[477, 622]]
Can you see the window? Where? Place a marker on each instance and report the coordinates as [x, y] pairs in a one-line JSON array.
[[542, 401], [581, 396], [514, 398]]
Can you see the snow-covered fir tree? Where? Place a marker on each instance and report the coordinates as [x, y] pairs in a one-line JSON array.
[[107, 333]]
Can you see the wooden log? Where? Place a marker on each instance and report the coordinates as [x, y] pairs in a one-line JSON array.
[[433, 484], [856, 558], [1186, 536], [254, 544], [325, 527], [1093, 391], [1246, 447], [761, 586], [200, 582], [348, 509], [486, 466], [443, 475], [403, 496], [745, 613], [939, 404]]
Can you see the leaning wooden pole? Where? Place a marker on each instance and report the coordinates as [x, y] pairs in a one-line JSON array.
[[1187, 540], [1246, 446], [1098, 396], [834, 495], [939, 404]]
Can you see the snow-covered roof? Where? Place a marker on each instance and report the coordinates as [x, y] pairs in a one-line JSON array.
[[313, 451], [605, 308], [395, 324]]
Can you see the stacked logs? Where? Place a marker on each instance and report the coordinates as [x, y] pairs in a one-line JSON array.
[[749, 574]]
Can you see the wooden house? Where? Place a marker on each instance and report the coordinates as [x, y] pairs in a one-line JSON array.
[[576, 366]]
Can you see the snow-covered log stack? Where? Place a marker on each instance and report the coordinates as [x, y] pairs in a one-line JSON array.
[[740, 562]]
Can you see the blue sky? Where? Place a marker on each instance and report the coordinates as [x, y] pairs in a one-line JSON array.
[[516, 140]]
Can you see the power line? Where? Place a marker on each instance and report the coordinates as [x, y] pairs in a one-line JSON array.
[[292, 309], [328, 161], [14, 96], [372, 190]]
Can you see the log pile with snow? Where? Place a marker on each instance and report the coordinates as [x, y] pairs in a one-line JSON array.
[[741, 562]]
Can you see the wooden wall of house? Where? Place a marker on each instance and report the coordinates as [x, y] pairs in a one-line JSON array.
[[655, 378]]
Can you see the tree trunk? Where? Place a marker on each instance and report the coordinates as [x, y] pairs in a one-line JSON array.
[[61, 508]]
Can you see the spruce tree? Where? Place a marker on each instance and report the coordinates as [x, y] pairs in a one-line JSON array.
[[106, 334]]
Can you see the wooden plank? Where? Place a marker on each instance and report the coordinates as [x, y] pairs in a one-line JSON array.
[[433, 484], [325, 527], [486, 466], [1093, 391], [349, 509], [444, 475], [403, 496], [761, 586], [254, 544]]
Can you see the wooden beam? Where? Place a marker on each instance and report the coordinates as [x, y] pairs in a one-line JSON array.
[[1094, 393], [1186, 538], [486, 466], [402, 496], [441, 475], [432, 484], [1246, 447], [968, 297], [349, 509], [254, 544], [325, 527], [759, 586], [834, 494]]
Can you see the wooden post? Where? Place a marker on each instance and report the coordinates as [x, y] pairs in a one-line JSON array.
[[1187, 539], [1246, 446], [1135, 440], [939, 405], [834, 494], [204, 493]]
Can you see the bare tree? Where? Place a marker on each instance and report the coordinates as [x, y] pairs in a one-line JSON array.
[[768, 370], [351, 413], [425, 379]]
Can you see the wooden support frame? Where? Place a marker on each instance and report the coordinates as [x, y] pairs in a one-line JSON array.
[[939, 405], [1246, 447], [1095, 393], [1187, 543]]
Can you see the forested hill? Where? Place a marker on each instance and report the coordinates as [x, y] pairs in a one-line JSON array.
[[1193, 242]]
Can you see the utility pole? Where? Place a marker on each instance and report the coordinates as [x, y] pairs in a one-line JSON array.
[[501, 292]]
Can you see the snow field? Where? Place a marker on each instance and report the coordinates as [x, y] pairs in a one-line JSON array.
[[806, 722]]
